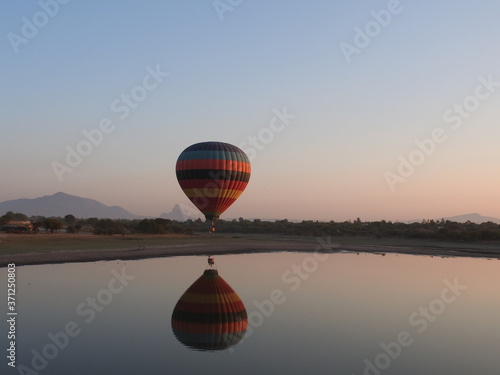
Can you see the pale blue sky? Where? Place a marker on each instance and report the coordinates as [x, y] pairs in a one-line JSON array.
[[226, 80]]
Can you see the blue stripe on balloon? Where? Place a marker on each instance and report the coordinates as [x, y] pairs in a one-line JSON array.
[[213, 154]]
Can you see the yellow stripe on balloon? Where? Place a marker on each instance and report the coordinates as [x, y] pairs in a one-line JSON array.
[[212, 193]]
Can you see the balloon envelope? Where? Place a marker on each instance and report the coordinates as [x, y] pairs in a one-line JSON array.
[[209, 315], [213, 175]]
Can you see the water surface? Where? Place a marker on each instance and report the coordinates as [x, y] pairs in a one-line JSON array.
[[307, 313]]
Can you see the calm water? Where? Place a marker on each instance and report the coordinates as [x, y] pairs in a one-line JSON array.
[[330, 314]]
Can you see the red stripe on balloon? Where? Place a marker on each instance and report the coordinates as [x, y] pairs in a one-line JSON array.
[[205, 186]]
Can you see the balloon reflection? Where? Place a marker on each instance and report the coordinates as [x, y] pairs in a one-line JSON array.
[[209, 315]]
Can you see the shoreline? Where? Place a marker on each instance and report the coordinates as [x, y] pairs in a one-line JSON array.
[[251, 246]]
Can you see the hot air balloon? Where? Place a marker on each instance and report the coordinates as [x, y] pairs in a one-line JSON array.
[[213, 175], [209, 316]]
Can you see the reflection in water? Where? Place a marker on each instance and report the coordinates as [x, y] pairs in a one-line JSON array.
[[209, 315], [334, 319]]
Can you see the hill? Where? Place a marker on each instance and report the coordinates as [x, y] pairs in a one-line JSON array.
[[61, 204], [182, 213], [473, 218]]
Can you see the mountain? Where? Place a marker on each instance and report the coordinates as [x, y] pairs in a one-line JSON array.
[[474, 218], [181, 212], [62, 204]]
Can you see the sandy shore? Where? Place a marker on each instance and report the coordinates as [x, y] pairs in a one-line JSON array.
[[207, 248]]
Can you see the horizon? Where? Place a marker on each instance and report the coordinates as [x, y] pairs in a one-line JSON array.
[[190, 213], [376, 110]]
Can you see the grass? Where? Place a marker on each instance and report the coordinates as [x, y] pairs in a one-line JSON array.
[[31, 243], [44, 242]]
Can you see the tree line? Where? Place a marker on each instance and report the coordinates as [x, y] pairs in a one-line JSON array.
[[427, 229], [71, 224]]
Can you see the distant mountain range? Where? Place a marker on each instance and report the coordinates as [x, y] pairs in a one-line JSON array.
[[473, 218], [62, 204]]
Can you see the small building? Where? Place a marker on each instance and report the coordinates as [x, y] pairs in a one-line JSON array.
[[18, 227]]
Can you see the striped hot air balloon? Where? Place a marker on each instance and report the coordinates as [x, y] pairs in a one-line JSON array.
[[213, 175], [209, 315]]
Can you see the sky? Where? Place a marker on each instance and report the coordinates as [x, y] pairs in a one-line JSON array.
[[371, 109]]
